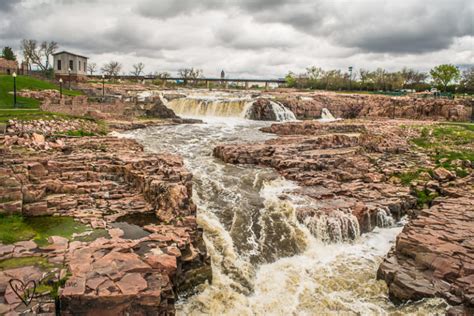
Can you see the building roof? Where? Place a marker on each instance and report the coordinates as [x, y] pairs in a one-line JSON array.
[[65, 52]]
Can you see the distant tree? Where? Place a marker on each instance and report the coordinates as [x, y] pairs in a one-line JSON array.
[[366, 78], [189, 74], [445, 74], [8, 53], [291, 80], [112, 69], [467, 80], [91, 68], [380, 78], [162, 75], [314, 73], [138, 69], [38, 55]]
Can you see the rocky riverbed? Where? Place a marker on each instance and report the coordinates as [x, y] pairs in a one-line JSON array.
[[109, 225], [353, 175]]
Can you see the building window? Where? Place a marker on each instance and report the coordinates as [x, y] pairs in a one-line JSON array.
[[79, 68], [71, 65], [85, 66], [59, 64]]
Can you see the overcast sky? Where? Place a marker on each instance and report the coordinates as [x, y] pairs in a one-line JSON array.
[[249, 38]]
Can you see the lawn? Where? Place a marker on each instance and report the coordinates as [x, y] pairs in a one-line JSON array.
[[25, 82]]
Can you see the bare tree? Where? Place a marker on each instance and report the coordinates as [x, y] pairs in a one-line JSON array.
[[91, 68], [112, 69], [48, 49], [138, 69], [162, 75], [38, 55], [189, 74]]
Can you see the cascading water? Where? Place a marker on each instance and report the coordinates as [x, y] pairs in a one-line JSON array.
[[218, 106], [327, 116], [209, 107], [281, 112], [264, 261]]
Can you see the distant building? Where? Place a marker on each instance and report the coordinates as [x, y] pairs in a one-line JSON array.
[[222, 74], [66, 61], [8, 67]]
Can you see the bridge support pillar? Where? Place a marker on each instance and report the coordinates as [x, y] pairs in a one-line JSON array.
[[266, 85], [227, 85], [246, 85], [208, 84]]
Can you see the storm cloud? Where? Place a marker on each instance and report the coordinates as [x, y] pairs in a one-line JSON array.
[[249, 37]]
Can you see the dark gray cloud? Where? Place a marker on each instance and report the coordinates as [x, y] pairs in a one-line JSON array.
[[8, 5], [265, 36]]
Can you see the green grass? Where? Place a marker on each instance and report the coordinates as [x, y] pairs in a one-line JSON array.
[[25, 82], [447, 142], [14, 263], [425, 197], [80, 133], [29, 115], [16, 228]]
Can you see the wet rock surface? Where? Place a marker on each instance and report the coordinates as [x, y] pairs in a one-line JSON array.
[[97, 181]]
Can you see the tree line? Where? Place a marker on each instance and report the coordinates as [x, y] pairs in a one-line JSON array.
[[444, 77]]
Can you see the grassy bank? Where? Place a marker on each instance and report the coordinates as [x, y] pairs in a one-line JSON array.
[[450, 146], [25, 83]]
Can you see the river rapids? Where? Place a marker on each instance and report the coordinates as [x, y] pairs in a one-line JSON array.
[[264, 262]]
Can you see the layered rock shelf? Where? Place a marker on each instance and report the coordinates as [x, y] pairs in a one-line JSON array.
[[346, 170], [99, 181], [433, 255], [308, 106]]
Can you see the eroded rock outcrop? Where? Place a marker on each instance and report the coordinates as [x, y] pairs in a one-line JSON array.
[[433, 256], [97, 181], [363, 106], [346, 170]]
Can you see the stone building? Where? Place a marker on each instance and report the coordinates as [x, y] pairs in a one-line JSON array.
[[68, 64], [8, 67]]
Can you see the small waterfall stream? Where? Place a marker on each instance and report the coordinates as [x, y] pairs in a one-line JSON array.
[[264, 261]]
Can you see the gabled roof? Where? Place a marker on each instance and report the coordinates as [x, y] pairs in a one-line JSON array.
[[65, 52]]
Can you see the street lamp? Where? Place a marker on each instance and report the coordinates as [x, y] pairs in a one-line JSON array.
[[60, 88], [103, 87], [14, 89], [69, 72]]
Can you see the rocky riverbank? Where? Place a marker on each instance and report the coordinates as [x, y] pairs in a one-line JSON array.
[[310, 105], [358, 174], [134, 242]]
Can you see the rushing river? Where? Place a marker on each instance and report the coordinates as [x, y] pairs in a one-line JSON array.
[[264, 262]]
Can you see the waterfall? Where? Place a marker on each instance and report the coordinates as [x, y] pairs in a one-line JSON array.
[[209, 107], [212, 106], [384, 218], [338, 227], [326, 115], [282, 113]]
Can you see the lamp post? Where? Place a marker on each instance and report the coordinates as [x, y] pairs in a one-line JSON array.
[[60, 88], [103, 87], [350, 78], [69, 72], [14, 89]]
